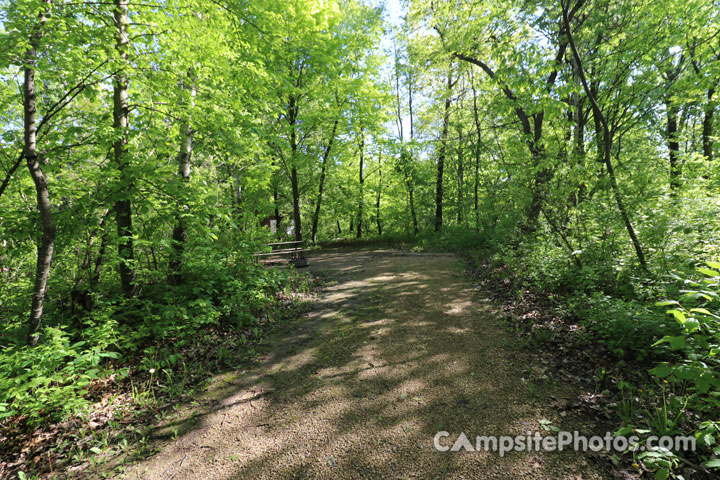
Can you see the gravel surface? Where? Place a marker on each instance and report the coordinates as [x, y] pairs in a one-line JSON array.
[[398, 347]]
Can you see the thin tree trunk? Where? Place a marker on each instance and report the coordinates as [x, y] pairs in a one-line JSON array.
[[460, 177], [673, 145], [579, 119], [296, 203], [11, 172], [707, 130], [326, 155], [607, 146], [47, 243], [80, 295], [411, 195], [184, 163], [377, 198], [478, 143], [532, 128], [362, 186], [405, 156], [121, 121], [411, 189], [277, 209], [99, 259], [292, 119], [441, 156]]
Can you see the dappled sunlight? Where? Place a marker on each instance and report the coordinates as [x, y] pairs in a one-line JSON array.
[[359, 387], [458, 307]]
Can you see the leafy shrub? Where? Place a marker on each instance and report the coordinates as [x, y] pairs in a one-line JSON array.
[[624, 328], [697, 342], [690, 377], [51, 380]]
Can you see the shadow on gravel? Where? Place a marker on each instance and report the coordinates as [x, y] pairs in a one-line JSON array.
[[397, 349]]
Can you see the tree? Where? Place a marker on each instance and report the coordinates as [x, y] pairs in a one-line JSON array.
[[607, 139], [121, 124], [47, 244], [442, 151]]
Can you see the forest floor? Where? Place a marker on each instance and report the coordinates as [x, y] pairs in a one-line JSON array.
[[399, 346]]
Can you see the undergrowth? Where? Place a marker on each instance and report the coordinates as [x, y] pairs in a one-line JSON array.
[[91, 383], [648, 341]]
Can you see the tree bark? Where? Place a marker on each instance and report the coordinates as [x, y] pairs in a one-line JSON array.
[[326, 156], [377, 198], [292, 119], [184, 163], [277, 209], [362, 186], [673, 144], [460, 177], [121, 123], [478, 144], [47, 242], [707, 131], [441, 156], [296, 204]]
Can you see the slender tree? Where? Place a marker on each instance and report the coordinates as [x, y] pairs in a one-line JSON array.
[[607, 139], [442, 151], [184, 158], [121, 124], [30, 151]]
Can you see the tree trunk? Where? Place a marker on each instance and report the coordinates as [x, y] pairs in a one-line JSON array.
[[607, 139], [326, 155], [441, 157], [184, 157], [292, 119], [707, 130], [673, 145], [362, 186], [47, 243], [121, 121], [478, 144], [460, 177], [411, 186], [80, 299], [296, 204], [377, 198], [277, 209]]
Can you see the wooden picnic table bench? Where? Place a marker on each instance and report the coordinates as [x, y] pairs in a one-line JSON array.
[[294, 250]]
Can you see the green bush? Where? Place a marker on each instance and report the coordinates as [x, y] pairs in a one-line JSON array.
[[51, 380]]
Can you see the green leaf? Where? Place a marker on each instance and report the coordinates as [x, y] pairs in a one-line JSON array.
[[678, 314], [709, 272], [661, 371], [676, 343], [662, 474]]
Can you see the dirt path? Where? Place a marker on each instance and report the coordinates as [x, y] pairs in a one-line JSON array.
[[399, 347]]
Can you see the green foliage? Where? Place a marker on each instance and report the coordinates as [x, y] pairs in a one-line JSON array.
[[52, 379], [696, 343]]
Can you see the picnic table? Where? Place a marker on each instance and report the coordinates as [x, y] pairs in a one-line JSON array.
[[294, 250]]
